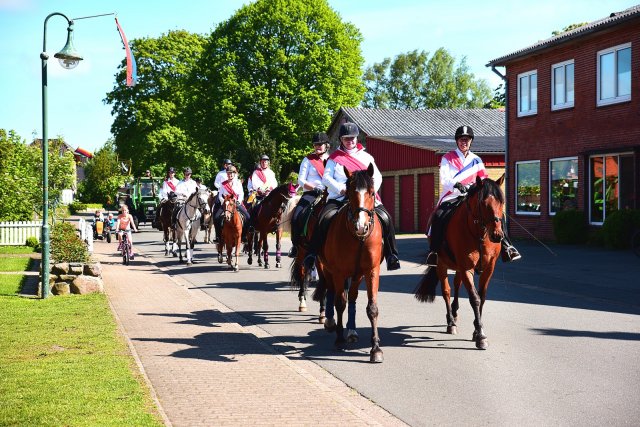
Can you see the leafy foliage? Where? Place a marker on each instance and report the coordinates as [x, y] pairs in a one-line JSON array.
[[102, 176], [618, 228], [413, 80], [570, 226], [275, 71], [66, 246], [568, 28]]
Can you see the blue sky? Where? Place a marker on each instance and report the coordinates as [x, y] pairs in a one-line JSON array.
[[478, 30]]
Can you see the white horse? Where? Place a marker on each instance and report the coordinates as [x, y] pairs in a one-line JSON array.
[[188, 222]]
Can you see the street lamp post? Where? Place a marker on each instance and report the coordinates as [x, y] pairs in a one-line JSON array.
[[69, 59]]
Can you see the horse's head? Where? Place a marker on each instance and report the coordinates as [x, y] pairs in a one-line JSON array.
[[361, 198], [229, 206], [293, 189], [490, 202], [199, 200]]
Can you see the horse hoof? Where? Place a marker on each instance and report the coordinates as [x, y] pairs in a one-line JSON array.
[[321, 319], [249, 261], [482, 344], [302, 306], [453, 330], [352, 336], [266, 266], [329, 325], [278, 265], [341, 345], [376, 356], [236, 268]]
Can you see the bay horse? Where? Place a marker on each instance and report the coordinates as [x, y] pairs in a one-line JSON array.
[[353, 250], [301, 279], [472, 244], [169, 234], [231, 231], [188, 222], [266, 218]]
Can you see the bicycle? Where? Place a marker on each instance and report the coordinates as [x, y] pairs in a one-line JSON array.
[[125, 247]]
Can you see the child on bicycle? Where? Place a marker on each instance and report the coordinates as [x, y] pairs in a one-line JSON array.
[[124, 224]]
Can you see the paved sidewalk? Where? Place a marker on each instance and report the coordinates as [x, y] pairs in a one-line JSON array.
[[207, 366]]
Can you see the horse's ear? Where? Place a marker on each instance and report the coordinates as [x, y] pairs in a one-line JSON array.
[[500, 180], [370, 169], [478, 181]]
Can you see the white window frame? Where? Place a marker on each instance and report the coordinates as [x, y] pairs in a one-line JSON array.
[[566, 104], [531, 111], [515, 190], [549, 181], [616, 99]]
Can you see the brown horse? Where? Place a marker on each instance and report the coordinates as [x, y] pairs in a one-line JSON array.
[[207, 219], [353, 250], [169, 233], [231, 231], [265, 219], [472, 243], [300, 278]]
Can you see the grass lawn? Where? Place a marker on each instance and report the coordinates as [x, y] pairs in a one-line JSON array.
[[15, 264], [16, 250], [64, 363]]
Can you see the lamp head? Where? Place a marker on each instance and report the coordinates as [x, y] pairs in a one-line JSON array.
[[68, 56]]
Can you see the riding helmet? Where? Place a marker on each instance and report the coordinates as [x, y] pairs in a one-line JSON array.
[[264, 157], [320, 138], [349, 129], [464, 131], [228, 162], [172, 169], [187, 170], [232, 169]]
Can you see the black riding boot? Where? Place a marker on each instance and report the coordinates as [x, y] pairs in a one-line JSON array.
[[389, 241], [319, 233], [508, 252], [437, 235]]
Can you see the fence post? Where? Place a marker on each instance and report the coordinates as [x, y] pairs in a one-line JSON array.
[[89, 236]]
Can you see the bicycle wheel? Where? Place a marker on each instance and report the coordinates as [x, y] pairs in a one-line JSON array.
[[125, 256], [635, 243]]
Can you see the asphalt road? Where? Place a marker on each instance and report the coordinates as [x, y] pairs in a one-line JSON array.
[[563, 326]]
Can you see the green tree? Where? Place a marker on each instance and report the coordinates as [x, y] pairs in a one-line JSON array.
[[102, 176], [275, 71], [568, 28], [19, 181], [413, 80], [150, 126], [499, 99]]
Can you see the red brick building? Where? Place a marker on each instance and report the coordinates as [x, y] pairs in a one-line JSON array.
[[573, 124], [408, 146]]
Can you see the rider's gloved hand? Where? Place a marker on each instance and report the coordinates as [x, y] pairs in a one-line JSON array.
[[317, 191], [460, 187]]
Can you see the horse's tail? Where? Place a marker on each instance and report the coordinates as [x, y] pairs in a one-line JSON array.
[[320, 291], [296, 272], [426, 289], [287, 214]]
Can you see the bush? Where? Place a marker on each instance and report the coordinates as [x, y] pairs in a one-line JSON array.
[[32, 242], [76, 207], [66, 246], [570, 227], [618, 226]]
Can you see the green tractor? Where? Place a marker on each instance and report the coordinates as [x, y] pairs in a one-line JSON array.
[[141, 196]]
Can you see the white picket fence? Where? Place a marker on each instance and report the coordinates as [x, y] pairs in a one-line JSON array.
[[15, 233]]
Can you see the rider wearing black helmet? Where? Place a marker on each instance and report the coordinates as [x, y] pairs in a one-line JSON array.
[[263, 179], [458, 170], [222, 175]]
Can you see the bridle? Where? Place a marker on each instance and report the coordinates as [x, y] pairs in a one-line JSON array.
[[230, 209], [199, 207], [352, 219], [481, 222]]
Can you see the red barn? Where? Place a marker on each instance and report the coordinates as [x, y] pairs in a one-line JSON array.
[[408, 146], [573, 111]]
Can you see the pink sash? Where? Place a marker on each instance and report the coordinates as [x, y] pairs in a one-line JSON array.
[[351, 163], [171, 185], [317, 163], [227, 186], [261, 175]]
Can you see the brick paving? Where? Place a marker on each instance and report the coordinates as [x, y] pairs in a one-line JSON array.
[[207, 366]]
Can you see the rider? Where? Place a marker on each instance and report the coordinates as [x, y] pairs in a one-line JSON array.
[[97, 217], [110, 222], [222, 175], [168, 186], [125, 223], [350, 155], [232, 186], [458, 170], [184, 189], [263, 179], [310, 180]]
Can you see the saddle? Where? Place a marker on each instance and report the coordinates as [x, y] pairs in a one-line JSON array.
[[441, 218]]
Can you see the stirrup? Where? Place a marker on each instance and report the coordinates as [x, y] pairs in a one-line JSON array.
[[293, 252], [309, 261]]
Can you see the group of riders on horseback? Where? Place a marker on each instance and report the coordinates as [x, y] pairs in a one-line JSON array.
[[322, 178]]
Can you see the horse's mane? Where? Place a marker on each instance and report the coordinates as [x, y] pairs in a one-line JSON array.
[[489, 188], [280, 189], [362, 180]]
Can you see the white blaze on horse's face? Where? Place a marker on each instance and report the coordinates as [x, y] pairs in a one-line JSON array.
[[227, 209], [203, 197], [362, 225]]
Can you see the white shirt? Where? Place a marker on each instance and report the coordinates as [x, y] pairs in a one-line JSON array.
[[164, 191], [220, 178], [335, 179], [186, 188], [237, 188], [255, 183], [455, 167], [309, 175]]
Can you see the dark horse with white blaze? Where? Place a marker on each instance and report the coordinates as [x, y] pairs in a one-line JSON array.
[[353, 250], [472, 244], [266, 217]]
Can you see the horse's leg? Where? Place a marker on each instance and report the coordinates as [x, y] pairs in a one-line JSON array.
[[236, 266], [340, 305], [229, 253], [446, 295], [265, 248], [278, 251], [301, 282], [457, 281], [474, 299], [250, 247], [372, 278], [352, 334], [329, 321], [165, 234]]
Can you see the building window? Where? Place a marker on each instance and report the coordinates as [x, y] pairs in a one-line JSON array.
[[611, 185], [614, 75], [527, 93], [563, 184], [562, 85], [528, 187]]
